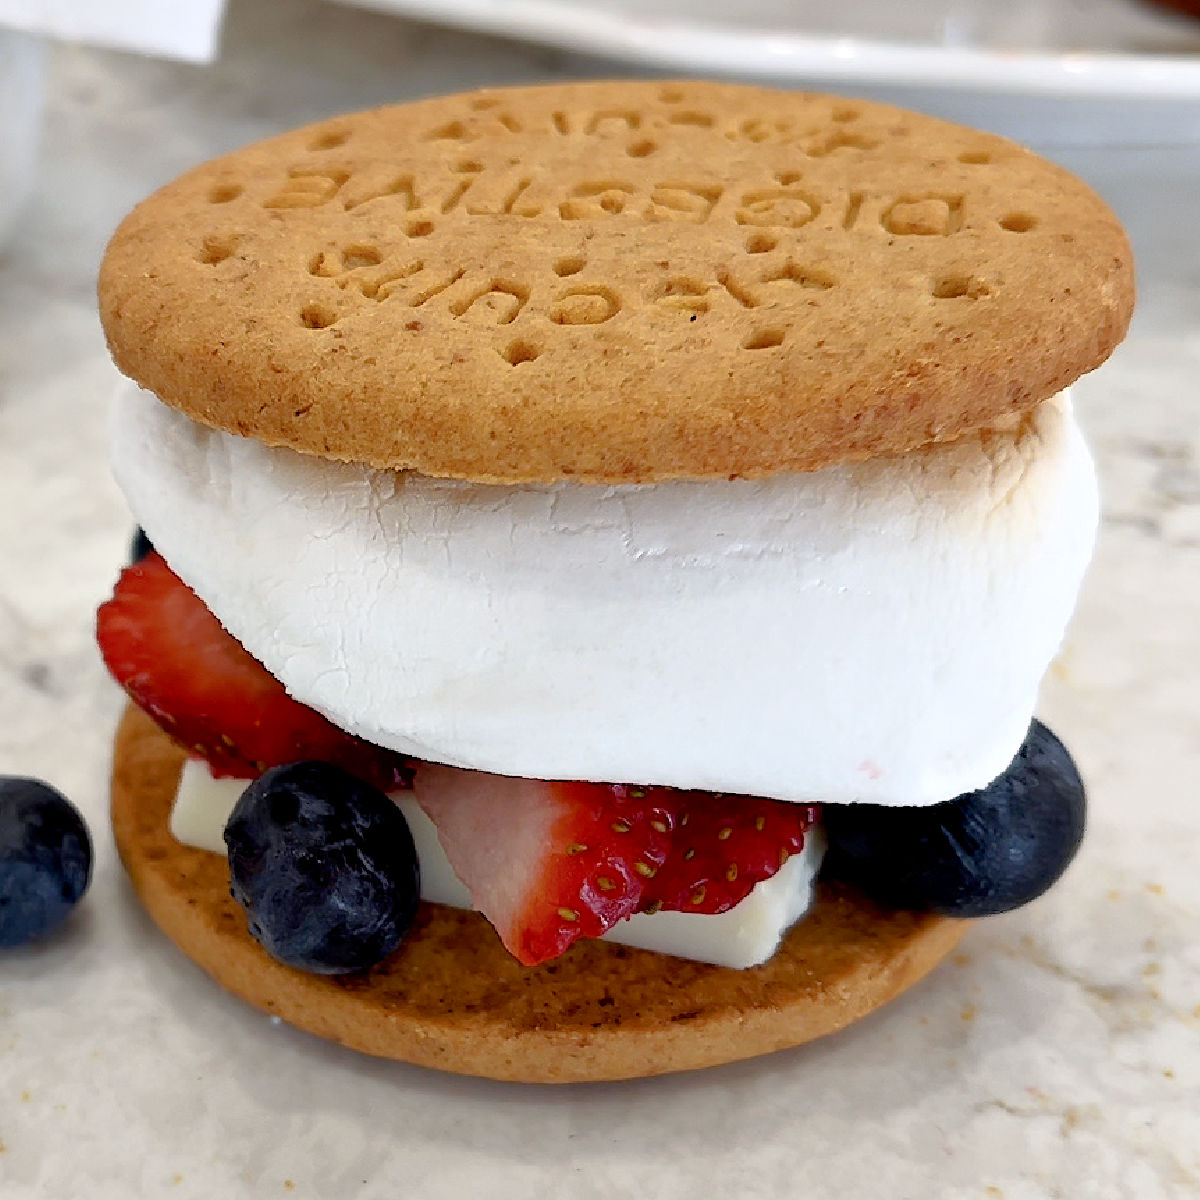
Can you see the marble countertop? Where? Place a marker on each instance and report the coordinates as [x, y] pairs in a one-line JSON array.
[[1057, 1055]]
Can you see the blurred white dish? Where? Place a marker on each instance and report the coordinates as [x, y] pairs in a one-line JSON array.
[[22, 99], [1144, 63], [184, 29]]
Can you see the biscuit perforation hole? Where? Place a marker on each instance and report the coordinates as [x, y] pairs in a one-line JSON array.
[[616, 118], [853, 207], [451, 131], [340, 264], [331, 139], [424, 294], [761, 243], [676, 200], [1018, 222], [782, 207], [699, 120], [401, 185], [641, 149], [959, 287], [379, 287], [483, 103], [318, 316], [738, 290], [761, 129], [216, 250], [683, 294], [222, 193], [360, 256], [569, 264], [596, 198], [585, 306], [805, 277], [518, 352], [469, 170], [496, 303], [682, 285], [308, 188], [845, 113], [671, 95], [975, 158], [842, 140], [763, 339], [924, 216]]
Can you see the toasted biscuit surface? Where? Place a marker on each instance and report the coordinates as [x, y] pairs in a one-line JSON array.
[[616, 282], [453, 998]]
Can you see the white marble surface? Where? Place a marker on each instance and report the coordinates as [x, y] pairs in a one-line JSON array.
[[1057, 1056]]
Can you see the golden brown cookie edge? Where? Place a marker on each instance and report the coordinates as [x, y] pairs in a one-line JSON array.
[[656, 1014]]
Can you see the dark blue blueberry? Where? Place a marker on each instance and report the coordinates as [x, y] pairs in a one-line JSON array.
[[324, 866], [45, 859], [140, 546], [983, 853]]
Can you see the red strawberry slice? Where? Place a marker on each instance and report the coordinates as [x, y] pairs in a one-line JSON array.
[[722, 846], [178, 664], [547, 863]]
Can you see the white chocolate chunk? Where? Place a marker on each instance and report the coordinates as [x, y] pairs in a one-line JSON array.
[[743, 937]]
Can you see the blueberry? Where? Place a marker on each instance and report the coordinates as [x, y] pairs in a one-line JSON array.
[[324, 866], [45, 859], [982, 853], [140, 546]]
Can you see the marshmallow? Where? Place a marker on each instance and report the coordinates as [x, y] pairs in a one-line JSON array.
[[869, 632]]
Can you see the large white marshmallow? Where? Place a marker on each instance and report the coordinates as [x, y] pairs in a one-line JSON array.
[[868, 632]]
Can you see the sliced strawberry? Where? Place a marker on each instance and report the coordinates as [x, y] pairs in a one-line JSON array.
[[723, 846], [178, 664], [547, 863]]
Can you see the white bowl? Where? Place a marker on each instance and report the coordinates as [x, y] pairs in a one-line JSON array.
[[1049, 72], [22, 102]]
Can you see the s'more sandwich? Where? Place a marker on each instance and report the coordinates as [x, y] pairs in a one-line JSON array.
[[604, 543]]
